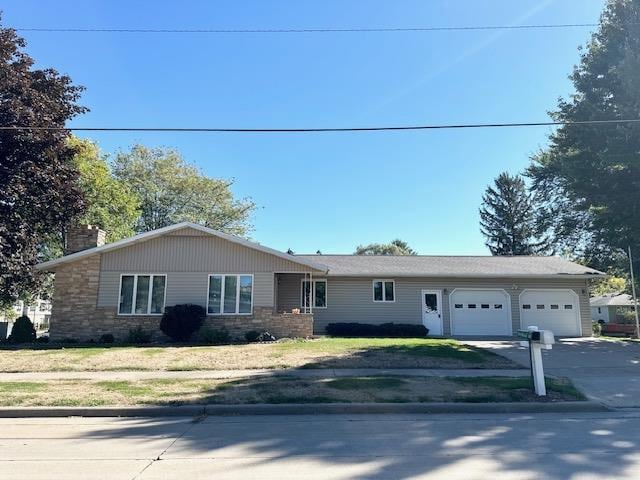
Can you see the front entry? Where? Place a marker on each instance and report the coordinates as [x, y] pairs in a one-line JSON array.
[[432, 311]]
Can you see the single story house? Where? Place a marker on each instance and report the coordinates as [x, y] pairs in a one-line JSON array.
[[611, 308], [246, 286]]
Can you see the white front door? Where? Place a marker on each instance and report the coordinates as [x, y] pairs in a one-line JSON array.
[[432, 311]]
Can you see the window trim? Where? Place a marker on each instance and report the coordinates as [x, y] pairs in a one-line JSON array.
[[384, 292], [224, 282], [135, 291], [313, 293]]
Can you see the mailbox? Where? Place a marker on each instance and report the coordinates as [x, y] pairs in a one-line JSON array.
[[537, 340], [544, 337]]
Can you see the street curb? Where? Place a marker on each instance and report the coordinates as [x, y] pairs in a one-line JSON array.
[[304, 409]]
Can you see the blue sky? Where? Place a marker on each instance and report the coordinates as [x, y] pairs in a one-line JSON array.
[[326, 191]]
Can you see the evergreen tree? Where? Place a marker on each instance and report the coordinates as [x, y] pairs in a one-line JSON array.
[[508, 220]]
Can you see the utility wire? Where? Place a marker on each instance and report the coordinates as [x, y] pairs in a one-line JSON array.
[[321, 129], [313, 30]]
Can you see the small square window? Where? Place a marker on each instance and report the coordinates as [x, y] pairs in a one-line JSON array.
[[484, 306], [459, 305], [540, 306], [384, 291], [497, 306], [568, 307], [471, 305], [526, 307], [554, 306]]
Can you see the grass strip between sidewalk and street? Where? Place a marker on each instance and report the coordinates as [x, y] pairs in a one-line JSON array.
[[281, 389]]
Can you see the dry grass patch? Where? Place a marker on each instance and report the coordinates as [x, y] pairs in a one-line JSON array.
[[274, 390], [317, 353]]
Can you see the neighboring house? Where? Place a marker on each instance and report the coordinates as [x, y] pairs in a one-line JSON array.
[[611, 308], [246, 286]]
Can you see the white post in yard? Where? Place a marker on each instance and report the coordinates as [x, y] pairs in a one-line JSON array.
[[537, 340], [633, 290], [312, 293], [537, 369]]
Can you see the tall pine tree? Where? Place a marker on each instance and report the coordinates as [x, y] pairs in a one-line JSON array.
[[508, 219]]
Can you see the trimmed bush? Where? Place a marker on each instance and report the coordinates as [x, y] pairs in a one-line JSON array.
[[213, 336], [138, 335], [22, 331], [393, 330], [252, 336], [107, 338], [180, 322]]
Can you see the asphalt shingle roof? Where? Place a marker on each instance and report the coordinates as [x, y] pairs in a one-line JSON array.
[[442, 266], [612, 300]]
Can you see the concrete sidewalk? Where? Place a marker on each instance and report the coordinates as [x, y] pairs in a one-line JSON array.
[[224, 374]]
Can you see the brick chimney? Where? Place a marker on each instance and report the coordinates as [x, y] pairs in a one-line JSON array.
[[82, 237]]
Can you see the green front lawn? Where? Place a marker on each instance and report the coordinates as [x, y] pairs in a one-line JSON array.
[[317, 353], [278, 390]]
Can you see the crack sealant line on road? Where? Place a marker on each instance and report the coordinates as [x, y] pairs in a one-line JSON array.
[[195, 421]]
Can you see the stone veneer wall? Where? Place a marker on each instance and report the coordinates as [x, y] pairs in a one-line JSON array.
[[75, 314], [82, 237]]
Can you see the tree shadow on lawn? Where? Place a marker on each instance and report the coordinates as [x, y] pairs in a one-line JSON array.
[[401, 446], [416, 355]]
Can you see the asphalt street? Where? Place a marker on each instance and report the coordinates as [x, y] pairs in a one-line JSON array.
[[583, 446]]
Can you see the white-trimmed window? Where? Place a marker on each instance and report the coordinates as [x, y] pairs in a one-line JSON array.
[[230, 294], [142, 294], [319, 294], [384, 291]]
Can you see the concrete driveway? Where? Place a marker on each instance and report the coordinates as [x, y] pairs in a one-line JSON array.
[[606, 371]]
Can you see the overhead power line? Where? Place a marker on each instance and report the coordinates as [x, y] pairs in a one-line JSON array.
[[311, 30], [320, 129]]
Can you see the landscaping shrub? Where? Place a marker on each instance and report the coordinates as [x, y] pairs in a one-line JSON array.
[[107, 338], [138, 335], [392, 330], [252, 336], [214, 336], [69, 340], [180, 322], [43, 339], [22, 331], [596, 328]]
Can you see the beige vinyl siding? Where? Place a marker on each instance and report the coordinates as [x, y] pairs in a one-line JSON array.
[[189, 253], [187, 260], [350, 299], [184, 287]]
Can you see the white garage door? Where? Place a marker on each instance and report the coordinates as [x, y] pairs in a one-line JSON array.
[[480, 312], [555, 310]]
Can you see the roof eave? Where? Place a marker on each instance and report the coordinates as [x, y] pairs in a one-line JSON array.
[[476, 275]]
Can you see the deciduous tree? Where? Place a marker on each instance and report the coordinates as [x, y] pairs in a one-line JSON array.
[[588, 179], [395, 247], [171, 190], [39, 192]]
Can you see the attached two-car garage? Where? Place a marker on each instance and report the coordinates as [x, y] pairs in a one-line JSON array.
[[487, 312]]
